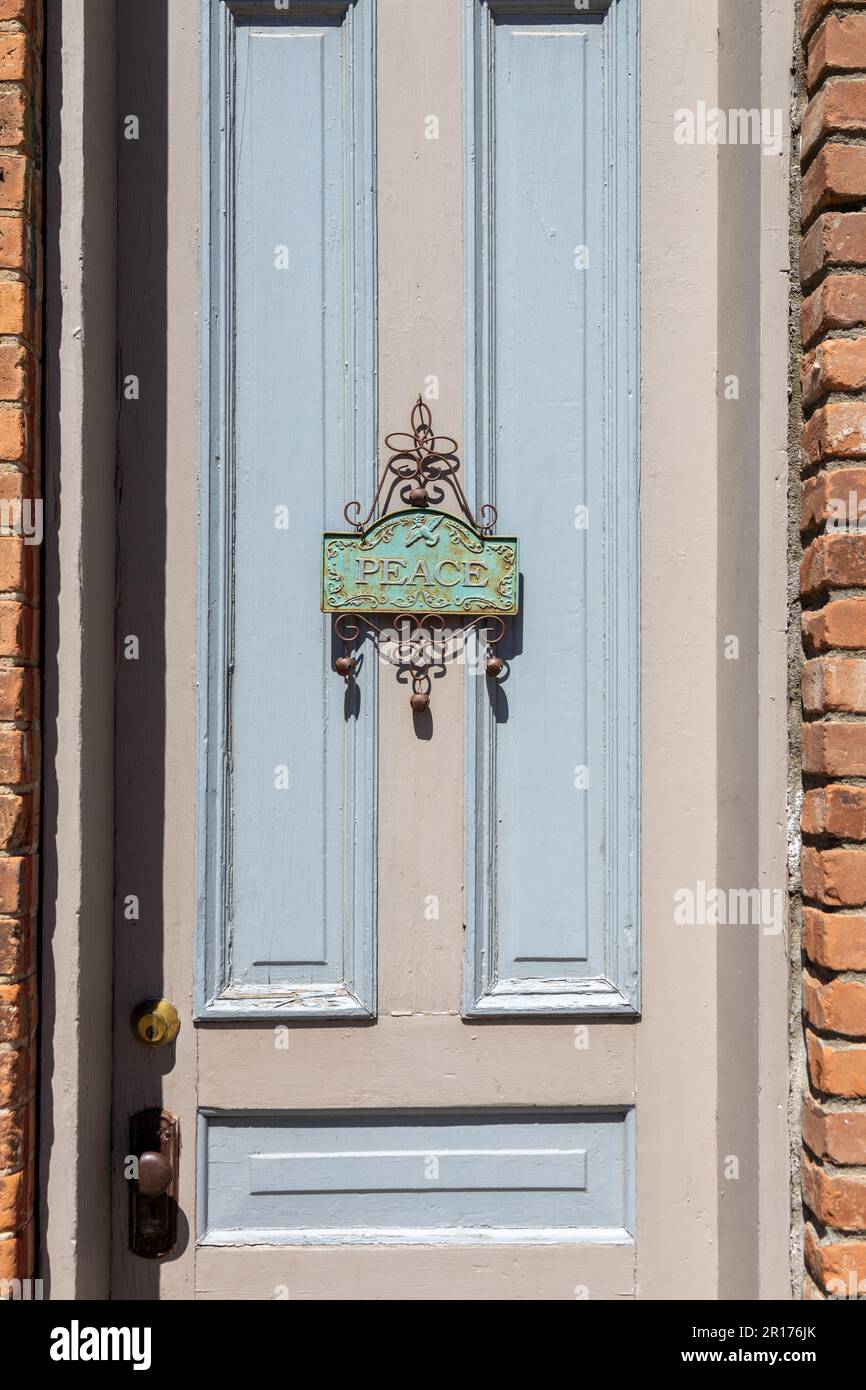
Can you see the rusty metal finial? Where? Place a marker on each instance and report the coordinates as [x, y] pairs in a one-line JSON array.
[[420, 462]]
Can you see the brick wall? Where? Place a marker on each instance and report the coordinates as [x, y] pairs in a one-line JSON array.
[[833, 590], [20, 294]]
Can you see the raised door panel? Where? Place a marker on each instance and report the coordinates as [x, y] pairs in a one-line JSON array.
[[440, 1177], [551, 345], [288, 849]]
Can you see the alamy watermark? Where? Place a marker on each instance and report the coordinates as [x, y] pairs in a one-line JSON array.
[[77, 1343], [19, 518], [21, 1290], [710, 125], [730, 907], [852, 1288], [847, 513], [411, 643]]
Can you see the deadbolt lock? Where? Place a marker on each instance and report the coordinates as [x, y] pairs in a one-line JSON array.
[[155, 1022]]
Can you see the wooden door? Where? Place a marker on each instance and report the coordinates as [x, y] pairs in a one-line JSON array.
[[404, 950]]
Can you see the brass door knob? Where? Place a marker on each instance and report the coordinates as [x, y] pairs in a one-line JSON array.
[[155, 1022], [154, 1174]]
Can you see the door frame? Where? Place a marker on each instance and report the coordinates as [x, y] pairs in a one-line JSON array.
[[679, 499]]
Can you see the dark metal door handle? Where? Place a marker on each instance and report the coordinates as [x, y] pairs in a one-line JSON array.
[[154, 1142], [154, 1174]]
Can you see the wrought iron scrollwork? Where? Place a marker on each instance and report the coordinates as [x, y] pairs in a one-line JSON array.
[[420, 463], [418, 646]]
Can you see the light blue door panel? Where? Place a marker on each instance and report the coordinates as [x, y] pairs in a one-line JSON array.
[[438, 1177], [551, 343], [547, 99], [289, 850]]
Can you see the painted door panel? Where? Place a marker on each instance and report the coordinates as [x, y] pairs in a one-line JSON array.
[[289, 853], [351, 1177], [546, 92], [550, 148]]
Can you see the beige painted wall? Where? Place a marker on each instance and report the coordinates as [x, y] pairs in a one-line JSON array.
[[77, 815], [676, 1042], [711, 1046]]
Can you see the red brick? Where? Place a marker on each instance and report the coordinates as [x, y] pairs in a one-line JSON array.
[[10, 1266], [836, 497], [15, 1199], [18, 879], [18, 820], [839, 1266], [835, 940], [24, 10], [14, 243], [837, 811], [16, 757], [14, 169], [835, 877], [837, 1006], [13, 432], [834, 561], [14, 308], [15, 485], [835, 178], [19, 630], [17, 1075], [838, 45], [837, 364], [14, 564], [834, 749], [16, 1136], [838, 302], [838, 108], [834, 239], [836, 1135], [16, 57], [17, 1011], [16, 1255], [836, 430], [19, 566], [15, 371], [13, 116], [837, 1069], [839, 624], [17, 693], [17, 947], [837, 1199], [835, 685], [813, 11]]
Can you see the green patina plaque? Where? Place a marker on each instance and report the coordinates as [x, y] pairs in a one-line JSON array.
[[420, 562]]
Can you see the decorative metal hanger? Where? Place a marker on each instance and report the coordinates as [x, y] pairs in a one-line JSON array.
[[422, 460], [420, 566]]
